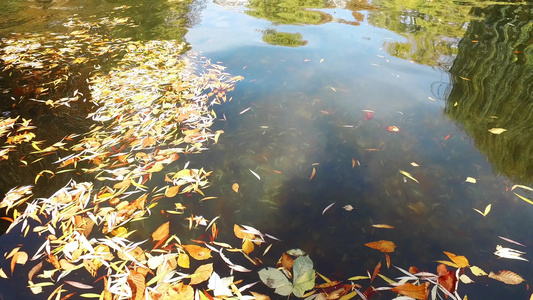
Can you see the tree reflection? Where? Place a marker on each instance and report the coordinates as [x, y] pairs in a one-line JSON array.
[[274, 37], [493, 88]]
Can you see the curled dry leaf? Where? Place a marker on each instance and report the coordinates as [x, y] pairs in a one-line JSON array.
[[507, 277], [383, 246], [198, 252], [420, 292]]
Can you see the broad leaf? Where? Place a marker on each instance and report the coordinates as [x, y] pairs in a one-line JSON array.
[[304, 275], [274, 278]]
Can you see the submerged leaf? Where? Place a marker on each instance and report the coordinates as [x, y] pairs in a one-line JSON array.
[[497, 130]]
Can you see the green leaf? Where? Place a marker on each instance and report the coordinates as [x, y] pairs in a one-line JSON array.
[[304, 275], [274, 278]]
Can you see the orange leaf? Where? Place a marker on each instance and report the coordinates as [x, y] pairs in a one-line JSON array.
[[238, 231], [312, 173], [172, 191], [139, 282], [414, 270], [447, 278], [383, 246], [235, 187], [393, 129], [420, 292], [376, 271], [198, 252], [201, 274], [459, 260], [387, 257], [161, 232], [507, 277]]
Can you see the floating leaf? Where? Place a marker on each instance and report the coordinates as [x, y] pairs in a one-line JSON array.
[[497, 130], [220, 286], [509, 253], [255, 174], [511, 241], [348, 207], [183, 260], [274, 278], [383, 226], [161, 232], [447, 279], [486, 212], [79, 285], [201, 274], [477, 271], [376, 272], [460, 260], [235, 187], [420, 292], [286, 261], [172, 191], [247, 246], [2, 273], [507, 277], [524, 198], [327, 207], [465, 279], [383, 246], [312, 173], [470, 180], [408, 176], [304, 275], [198, 252]]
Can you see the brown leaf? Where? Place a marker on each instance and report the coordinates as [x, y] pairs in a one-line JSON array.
[[161, 232], [35, 270], [198, 252], [420, 292], [287, 261], [383, 246], [507, 277], [235, 187], [265, 297], [201, 274], [459, 260], [386, 226], [179, 291], [413, 270], [387, 257]]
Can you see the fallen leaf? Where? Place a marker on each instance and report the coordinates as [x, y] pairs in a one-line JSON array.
[[327, 207], [460, 260], [382, 226], [477, 271], [161, 232], [470, 180], [287, 261], [348, 207], [235, 187], [383, 246], [413, 270], [198, 252], [183, 260], [486, 212], [497, 130], [511, 241], [507, 277], [79, 285], [414, 164], [172, 191], [393, 129], [247, 246], [255, 174], [408, 176], [312, 173], [446, 278], [524, 198], [376, 272], [201, 274], [2, 273], [465, 279], [420, 292]]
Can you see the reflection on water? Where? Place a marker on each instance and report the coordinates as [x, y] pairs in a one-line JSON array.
[[301, 109]]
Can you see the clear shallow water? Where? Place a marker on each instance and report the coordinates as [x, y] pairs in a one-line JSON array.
[[305, 111]]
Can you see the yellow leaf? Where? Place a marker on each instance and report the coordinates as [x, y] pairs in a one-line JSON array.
[[358, 277], [2, 273], [448, 263], [183, 260], [161, 232], [524, 198], [460, 260], [487, 210], [497, 130], [465, 279], [408, 176], [383, 226], [247, 246], [477, 271], [470, 180]]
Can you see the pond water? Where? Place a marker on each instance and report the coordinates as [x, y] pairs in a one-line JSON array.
[[324, 82]]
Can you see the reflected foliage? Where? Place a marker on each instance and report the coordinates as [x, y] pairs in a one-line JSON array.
[[432, 28], [289, 11], [287, 39], [493, 85]]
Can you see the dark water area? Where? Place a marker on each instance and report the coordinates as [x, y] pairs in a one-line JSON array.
[[444, 73]]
